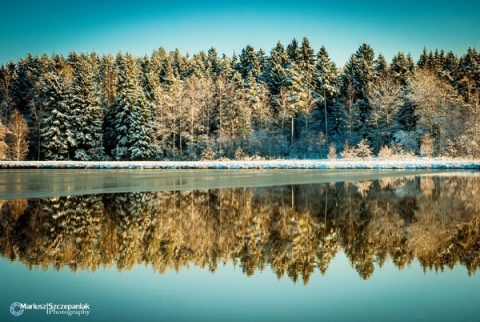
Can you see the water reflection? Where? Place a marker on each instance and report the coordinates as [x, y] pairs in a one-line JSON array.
[[293, 230]]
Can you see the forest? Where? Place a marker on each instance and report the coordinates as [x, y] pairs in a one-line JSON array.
[[294, 231], [293, 102]]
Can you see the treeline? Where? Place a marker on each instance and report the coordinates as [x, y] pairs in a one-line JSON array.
[[293, 230], [292, 102]]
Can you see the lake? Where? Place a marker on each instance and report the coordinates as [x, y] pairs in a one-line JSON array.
[[240, 245]]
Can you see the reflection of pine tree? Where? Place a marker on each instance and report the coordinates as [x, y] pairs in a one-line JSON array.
[[131, 213], [10, 213], [86, 217]]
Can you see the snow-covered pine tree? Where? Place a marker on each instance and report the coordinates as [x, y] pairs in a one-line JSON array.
[[132, 119], [358, 75], [450, 70], [307, 61], [293, 52], [199, 65], [262, 62], [380, 66], [402, 68], [249, 62], [293, 97], [28, 71], [226, 65], [423, 60], [213, 62], [180, 64], [469, 75], [159, 58], [57, 135], [325, 81], [153, 89], [108, 79], [86, 110], [258, 102]]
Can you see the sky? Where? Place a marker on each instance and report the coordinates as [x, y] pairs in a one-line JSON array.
[[140, 26]]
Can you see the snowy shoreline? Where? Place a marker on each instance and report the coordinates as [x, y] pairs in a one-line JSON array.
[[417, 163]]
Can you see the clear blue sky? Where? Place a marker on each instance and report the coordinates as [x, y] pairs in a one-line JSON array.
[[140, 26]]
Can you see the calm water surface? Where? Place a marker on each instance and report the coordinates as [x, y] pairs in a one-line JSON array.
[[241, 245]]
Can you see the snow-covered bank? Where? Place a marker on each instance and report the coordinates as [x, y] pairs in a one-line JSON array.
[[418, 163]]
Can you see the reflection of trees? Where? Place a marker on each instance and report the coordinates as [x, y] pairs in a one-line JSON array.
[[292, 229]]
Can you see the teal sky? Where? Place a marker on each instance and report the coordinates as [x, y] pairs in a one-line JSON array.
[[140, 26]]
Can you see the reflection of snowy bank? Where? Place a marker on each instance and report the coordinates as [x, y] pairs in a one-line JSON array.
[[419, 163]]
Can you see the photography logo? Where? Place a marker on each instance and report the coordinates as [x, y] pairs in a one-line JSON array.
[[16, 309]]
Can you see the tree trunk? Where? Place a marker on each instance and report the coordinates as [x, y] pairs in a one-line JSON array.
[[326, 119], [292, 131]]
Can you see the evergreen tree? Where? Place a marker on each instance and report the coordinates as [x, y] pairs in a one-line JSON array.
[[423, 61], [307, 61], [402, 69], [249, 62], [262, 61], [275, 71], [28, 72], [293, 52], [108, 80], [213, 62], [358, 76], [359, 73], [279, 55], [86, 110], [57, 137], [293, 97], [226, 65], [180, 64], [450, 68], [469, 75], [131, 115], [325, 82], [8, 76], [380, 66], [199, 64]]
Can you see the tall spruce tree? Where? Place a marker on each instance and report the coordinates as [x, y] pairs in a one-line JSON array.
[[325, 81], [249, 62], [293, 52], [57, 137], [131, 116], [469, 75], [380, 66], [275, 71], [402, 68], [86, 109], [358, 76], [307, 61], [293, 97]]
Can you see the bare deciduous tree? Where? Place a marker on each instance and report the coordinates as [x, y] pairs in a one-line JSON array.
[[438, 108], [3, 145], [17, 137], [385, 100]]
